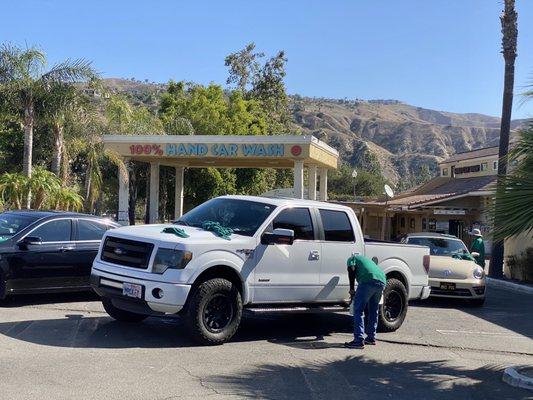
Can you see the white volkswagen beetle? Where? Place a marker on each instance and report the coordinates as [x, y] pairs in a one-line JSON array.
[[453, 272]]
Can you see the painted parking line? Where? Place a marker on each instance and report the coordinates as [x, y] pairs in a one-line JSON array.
[[453, 332]]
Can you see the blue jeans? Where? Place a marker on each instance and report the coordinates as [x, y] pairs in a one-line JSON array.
[[367, 296]]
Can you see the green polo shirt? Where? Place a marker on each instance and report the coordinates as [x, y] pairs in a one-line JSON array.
[[366, 270], [479, 247]]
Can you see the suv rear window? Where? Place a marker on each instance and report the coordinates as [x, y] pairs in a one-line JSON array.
[[297, 219], [337, 226]]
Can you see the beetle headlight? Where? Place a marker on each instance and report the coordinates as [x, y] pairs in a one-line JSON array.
[[478, 273], [170, 259]]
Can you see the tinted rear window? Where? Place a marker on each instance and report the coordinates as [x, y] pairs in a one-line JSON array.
[[297, 219], [337, 226]]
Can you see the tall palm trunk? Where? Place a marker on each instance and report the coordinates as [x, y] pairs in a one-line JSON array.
[[87, 189], [509, 42], [29, 120], [58, 149]]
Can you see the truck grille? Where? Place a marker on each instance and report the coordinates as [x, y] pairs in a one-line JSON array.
[[129, 253]]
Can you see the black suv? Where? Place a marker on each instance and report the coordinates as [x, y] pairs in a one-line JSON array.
[[48, 251]]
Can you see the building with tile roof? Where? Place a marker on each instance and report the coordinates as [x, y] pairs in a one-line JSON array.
[[455, 202]]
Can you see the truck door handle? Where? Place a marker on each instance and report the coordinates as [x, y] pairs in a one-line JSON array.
[[314, 255]]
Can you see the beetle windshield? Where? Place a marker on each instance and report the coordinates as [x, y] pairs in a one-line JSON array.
[[11, 224], [244, 217], [440, 246]]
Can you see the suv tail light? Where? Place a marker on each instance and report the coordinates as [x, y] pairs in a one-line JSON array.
[[425, 262]]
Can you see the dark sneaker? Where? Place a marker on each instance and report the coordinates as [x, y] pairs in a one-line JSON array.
[[370, 342], [354, 345]]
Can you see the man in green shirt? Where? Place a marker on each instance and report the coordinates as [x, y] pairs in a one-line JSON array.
[[370, 284], [478, 247]]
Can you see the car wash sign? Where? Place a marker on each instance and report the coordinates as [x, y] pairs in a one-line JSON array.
[[238, 150]]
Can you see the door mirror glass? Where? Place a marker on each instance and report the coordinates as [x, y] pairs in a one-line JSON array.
[[474, 254], [278, 236], [30, 240]]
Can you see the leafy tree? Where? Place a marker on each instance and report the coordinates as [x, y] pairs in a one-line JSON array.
[[341, 184], [42, 183], [243, 67]]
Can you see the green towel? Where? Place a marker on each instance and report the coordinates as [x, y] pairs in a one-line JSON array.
[[175, 231], [219, 230]]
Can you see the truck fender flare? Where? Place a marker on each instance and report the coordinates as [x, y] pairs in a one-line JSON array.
[[397, 266], [219, 258]]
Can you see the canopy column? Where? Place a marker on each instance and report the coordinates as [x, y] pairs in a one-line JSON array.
[[123, 195], [154, 193], [299, 179], [311, 184], [178, 199], [323, 184]]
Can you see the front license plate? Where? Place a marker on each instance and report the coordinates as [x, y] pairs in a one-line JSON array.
[[447, 286], [132, 290]]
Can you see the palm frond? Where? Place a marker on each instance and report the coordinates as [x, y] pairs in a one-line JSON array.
[[69, 72]]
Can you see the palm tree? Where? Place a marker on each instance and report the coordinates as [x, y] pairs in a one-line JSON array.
[[509, 40], [24, 84], [42, 183], [13, 188], [66, 199]]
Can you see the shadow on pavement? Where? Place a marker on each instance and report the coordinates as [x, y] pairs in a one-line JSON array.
[[78, 331], [360, 377], [49, 298], [508, 309]]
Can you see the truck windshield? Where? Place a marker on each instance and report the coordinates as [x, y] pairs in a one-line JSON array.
[[440, 246], [242, 216], [11, 224]]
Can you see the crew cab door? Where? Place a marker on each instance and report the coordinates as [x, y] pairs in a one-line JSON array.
[[338, 242], [289, 273]]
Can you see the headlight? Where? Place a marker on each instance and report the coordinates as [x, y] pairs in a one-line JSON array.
[[479, 273], [168, 258]]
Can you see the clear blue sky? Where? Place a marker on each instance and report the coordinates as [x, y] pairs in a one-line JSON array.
[[443, 55]]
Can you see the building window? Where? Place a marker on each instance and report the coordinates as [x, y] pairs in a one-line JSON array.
[[445, 172], [432, 224], [412, 223], [424, 224], [484, 166], [495, 165], [402, 222]]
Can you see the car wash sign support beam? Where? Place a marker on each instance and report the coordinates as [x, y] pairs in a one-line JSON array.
[[224, 151]]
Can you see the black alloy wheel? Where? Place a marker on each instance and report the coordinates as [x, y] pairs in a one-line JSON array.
[[218, 313]]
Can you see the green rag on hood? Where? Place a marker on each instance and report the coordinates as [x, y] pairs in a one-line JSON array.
[[175, 231]]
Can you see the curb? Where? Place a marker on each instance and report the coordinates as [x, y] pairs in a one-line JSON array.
[[499, 283], [513, 377]]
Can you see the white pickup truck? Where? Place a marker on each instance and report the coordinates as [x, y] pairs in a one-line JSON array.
[[278, 252]]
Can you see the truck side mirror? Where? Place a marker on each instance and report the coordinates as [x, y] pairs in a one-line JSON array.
[[474, 254], [29, 241], [278, 236]]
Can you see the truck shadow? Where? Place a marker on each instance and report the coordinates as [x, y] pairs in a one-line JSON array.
[[50, 298], [78, 331]]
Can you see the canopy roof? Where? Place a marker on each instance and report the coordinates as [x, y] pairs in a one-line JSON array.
[[232, 151]]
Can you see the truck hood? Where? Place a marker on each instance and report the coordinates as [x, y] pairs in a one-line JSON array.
[[153, 233], [450, 268]]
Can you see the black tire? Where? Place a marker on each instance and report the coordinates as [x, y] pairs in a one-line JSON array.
[[394, 308], [121, 315], [478, 302], [214, 312]]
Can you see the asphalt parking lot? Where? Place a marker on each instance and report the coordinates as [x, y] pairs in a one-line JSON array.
[[65, 347]]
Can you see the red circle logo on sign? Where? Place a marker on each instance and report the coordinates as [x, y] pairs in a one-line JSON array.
[[296, 150]]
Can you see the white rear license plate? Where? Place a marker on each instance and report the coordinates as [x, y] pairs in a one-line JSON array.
[[132, 290]]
